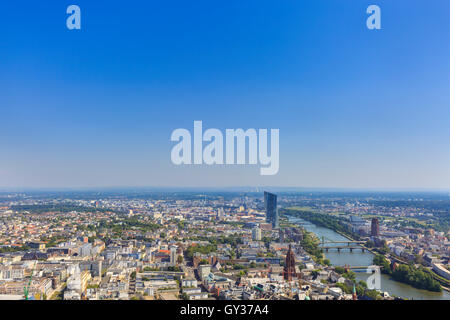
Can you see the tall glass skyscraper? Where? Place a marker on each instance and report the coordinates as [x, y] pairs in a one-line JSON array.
[[270, 202]]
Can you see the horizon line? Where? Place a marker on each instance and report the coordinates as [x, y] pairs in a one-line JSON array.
[[224, 188]]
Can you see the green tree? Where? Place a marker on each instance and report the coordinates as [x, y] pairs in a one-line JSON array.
[[380, 260]]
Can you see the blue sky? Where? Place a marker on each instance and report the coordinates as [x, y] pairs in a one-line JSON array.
[[96, 107]]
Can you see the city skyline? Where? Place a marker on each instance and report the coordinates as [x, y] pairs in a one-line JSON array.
[[224, 246]]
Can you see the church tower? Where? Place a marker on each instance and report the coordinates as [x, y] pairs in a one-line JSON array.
[[289, 266]]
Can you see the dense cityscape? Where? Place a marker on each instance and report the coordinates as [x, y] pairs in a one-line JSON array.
[[258, 245]]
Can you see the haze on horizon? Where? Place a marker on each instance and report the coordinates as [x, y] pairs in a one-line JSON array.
[[355, 108]]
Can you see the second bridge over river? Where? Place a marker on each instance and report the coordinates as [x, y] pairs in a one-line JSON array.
[[339, 248], [342, 245]]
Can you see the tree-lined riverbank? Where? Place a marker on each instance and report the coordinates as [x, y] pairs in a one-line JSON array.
[[358, 258], [411, 275]]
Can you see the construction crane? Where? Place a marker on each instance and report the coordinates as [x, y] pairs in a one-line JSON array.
[[269, 267], [27, 287], [300, 279]]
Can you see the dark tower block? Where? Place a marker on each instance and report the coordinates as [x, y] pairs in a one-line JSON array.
[[270, 203], [375, 228]]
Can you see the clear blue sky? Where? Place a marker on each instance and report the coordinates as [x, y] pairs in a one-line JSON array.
[[96, 107]]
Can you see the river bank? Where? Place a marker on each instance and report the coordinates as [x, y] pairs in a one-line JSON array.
[[358, 258], [447, 289]]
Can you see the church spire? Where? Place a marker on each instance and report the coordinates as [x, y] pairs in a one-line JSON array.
[[289, 266]]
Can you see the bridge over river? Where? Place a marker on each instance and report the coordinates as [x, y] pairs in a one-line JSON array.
[[357, 260], [339, 248], [342, 245]]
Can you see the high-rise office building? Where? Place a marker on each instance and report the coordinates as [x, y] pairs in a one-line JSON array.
[[256, 234], [270, 202], [173, 255], [375, 227], [204, 270]]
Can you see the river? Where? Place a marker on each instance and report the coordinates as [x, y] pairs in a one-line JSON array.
[[359, 258]]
